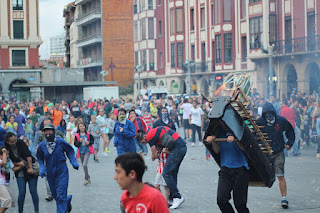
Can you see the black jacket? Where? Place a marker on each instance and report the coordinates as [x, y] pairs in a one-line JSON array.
[[78, 143], [275, 132], [159, 122]]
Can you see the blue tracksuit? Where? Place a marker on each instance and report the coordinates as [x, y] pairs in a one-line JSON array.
[[124, 140], [57, 171]]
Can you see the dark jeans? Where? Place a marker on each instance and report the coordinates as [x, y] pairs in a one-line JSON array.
[[195, 129], [22, 183], [235, 180], [171, 169], [318, 149]]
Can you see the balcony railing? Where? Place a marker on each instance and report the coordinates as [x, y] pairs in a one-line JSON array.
[[297, 45], [87, 38], [91, 12], [200, 67], [88, 61]]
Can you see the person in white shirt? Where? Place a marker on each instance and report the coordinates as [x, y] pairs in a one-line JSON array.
[[186, 106], [196, 122]]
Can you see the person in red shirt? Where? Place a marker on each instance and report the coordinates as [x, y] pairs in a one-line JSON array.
[[137, 197]]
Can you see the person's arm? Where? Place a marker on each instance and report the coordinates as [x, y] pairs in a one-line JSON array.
[[131, 131], [70, 154], [4, 157], [91, 140], [29, 162], [289, 131], [15, 127], [76, 142], [69, 127]]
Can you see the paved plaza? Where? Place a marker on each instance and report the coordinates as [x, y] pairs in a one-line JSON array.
[[197, 179]]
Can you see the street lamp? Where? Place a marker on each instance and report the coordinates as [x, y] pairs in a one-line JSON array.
[[139, 68], [269, 50], [189, 64]]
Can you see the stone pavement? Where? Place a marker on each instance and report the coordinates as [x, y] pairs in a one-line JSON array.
[[197, 183]]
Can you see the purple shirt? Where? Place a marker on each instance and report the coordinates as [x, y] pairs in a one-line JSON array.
[[20, 120]]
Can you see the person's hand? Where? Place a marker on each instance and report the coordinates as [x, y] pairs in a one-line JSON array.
[[76, 166], [87, 142], [43, 173], [120, 129], [97, 131], [230, 138], [81, 139], [21, 164], [4, 150], [287, 146], [30, 170], [210, 139]]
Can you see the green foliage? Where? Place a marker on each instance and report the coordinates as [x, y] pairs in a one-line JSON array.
[[126, 90]]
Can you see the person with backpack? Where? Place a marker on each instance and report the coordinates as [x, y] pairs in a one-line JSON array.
[[84, 141]]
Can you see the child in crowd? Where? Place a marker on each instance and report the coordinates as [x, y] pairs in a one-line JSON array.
[[84, 140], [306, 124], [62, 127], [6, 196], [70, 127], [2, 124], [94, 129], [28, 129], [11, 125], [111, 123], [147, 118], [159, 181]]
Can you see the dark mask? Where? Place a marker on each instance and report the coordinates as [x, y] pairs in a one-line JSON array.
[[50, 137], [270, 118]]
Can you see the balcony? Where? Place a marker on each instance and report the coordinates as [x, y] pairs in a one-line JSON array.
[[89, 40], [297, 45], [89, 62], [201, 67], [89, 17], [78, 2]]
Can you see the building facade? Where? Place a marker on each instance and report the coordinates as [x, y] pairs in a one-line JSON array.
[[57, 45], [19, 47], [224, 36]]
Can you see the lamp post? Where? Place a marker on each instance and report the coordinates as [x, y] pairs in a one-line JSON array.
[[270, 52], [139, 68], [189, 64]]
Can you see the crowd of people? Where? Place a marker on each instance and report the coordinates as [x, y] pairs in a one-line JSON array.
[[130, 124]]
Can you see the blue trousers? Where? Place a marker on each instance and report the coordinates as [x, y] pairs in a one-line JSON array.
[[22, 183]]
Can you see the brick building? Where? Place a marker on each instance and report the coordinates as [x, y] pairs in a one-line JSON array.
[[224, 36], [19, 47]]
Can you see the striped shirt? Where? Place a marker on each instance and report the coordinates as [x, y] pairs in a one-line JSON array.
[[161, 162]]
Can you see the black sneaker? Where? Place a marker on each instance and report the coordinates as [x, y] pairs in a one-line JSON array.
[[284, 204], [146, 168], [49, 198], [69, 207]]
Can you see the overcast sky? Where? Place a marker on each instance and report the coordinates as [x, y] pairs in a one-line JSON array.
[[51, 23]]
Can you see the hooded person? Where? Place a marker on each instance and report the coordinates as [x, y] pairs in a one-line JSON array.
[[51, 155], [164, 120], [276, 126], [124, 133]]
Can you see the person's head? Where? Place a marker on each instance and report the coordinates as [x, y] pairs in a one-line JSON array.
[[11, 119], [75, 103], [29, 120], [48, 114], [296, 104], [47, 121], [2, 112], [101, 112], [86, 105], [63, 122], [81, 128], [1, 152], [173, 106], [49, 132], [129, 169], [194, 104], [17, 111], [80, 119], [33, 114], [122, 111], [141, 136], [164, 110], [132, 113], [93, 119], [112, 115], [56, 105], [305, 109], [10, 139]]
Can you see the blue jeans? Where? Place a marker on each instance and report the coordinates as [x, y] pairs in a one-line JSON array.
[[171, 169], [295, 146], [33, 182]]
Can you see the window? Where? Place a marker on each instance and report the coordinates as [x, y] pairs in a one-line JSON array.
[[311, 31], [192, 19], [179, 54], [212, 16], [244, 49], [193, 52], [243, 9], [173, 56], [151, 60], [136, 58], [143, 5], [150, 4], [150, 28], [217, 16], [143, 29], [218, 49], [160, 28], [227, 10], [272, 28], [18, 29], [160, 58], [288, 34], [256, 29], [135, 7], [18, 58], [203, 17], [203, 52], [228, 48], [144, 59], [159, 2], [17, 4], [171, 21], [135, 31], [179, 20], [253, 1]]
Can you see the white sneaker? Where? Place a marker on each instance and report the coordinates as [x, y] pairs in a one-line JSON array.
[[192, 144], [200, 144], [105, 154], [318, 155], [177, 202]]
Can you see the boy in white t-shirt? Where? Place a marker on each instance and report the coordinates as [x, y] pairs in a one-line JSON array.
[[196, 120], [6, 196]]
